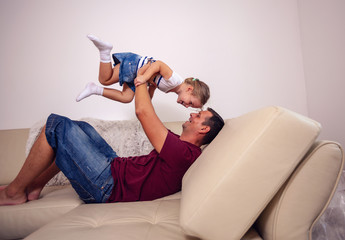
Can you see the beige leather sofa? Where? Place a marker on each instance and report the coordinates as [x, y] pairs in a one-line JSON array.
[[265, 176]]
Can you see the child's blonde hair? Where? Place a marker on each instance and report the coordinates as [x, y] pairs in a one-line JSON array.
[[200, 89]]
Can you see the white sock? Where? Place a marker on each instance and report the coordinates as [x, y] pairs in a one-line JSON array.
[[89, 90], [103, 47]]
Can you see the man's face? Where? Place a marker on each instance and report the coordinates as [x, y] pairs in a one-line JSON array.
[[196, 120]]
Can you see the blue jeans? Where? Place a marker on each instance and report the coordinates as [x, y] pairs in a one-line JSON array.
[[128, 68], [83, 156]]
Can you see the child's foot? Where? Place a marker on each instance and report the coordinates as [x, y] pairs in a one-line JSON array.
[[103, 47], [89, 90], [8, 199]]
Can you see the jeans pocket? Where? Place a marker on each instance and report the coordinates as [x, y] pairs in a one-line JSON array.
[[82, 192], [107, 189]]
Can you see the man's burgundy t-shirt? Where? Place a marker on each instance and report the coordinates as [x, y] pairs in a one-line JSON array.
[[154, 175]]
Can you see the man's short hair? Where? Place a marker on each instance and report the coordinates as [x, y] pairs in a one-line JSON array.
[[215, 123]]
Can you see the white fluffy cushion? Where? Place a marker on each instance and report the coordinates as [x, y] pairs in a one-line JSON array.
[[237, 175]]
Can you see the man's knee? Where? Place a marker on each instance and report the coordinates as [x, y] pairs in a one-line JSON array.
[[56, 126]]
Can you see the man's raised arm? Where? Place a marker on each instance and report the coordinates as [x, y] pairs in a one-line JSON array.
[[152, 125]]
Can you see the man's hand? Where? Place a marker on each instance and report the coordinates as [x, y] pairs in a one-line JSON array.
[[152, 89], [140, 79], [152, 83], [147, 71]]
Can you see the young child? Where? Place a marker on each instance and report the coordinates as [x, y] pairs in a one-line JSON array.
[[131, 70]]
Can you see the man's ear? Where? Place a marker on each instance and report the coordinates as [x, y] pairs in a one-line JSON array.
[[204, 129]]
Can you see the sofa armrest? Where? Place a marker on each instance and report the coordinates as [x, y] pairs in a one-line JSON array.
[[12, 153], [241, 170], [298, 205]]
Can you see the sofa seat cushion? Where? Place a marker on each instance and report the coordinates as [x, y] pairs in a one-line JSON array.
[[131, 220], [20, 220], [149, 220], [241, 170]]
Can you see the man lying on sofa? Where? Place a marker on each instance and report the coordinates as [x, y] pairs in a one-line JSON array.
[[97, 174]]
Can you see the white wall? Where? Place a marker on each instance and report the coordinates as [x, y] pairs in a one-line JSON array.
[[249, 52], [323, 45]]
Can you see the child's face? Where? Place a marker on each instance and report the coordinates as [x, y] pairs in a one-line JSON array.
[[187, 99]]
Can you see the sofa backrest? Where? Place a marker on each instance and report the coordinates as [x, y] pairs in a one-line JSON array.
[[12, 153], [297, 206], [241, 170], [175, 127]]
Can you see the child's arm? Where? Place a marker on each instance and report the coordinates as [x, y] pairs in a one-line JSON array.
[[143, 69], [156, 67]]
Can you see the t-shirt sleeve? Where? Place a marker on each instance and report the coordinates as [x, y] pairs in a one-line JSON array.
[[171, 83], [178, 153], [175, 78]]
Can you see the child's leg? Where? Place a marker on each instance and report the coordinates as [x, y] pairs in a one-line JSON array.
[[90, 89], [103, 47], [107, 75], [124, 96]]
